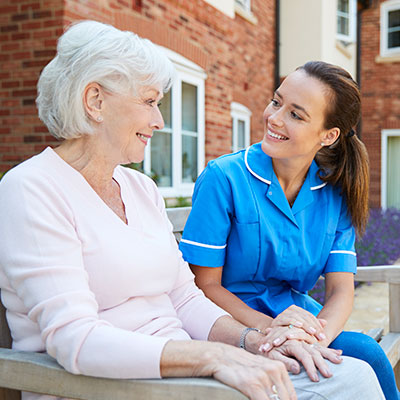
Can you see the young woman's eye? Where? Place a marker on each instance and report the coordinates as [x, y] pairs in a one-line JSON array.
[[296, 116], [151, 102], [275, 102]]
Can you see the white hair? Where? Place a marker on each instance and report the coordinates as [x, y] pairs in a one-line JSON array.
[[89, 51]]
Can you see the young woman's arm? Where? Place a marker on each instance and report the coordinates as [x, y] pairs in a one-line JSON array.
[[209, 281], [339, 295]]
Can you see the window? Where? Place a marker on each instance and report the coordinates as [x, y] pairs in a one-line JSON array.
[[244, 4], [240, 126], [346, 20], [390, 174], [175, 156], [390, 28]]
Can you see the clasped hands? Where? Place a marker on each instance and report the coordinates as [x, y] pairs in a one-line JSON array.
[[296, 336]]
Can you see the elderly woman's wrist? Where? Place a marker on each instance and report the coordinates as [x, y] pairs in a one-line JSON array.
[[253, 340]]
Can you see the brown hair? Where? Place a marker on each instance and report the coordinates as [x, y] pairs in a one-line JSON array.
[[345, 163]]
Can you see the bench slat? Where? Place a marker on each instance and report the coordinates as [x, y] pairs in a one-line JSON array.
[[40, 373]]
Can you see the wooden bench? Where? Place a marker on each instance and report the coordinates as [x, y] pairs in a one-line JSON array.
[[40, 373]]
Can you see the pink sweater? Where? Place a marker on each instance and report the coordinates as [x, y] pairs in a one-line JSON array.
[[100, 296]]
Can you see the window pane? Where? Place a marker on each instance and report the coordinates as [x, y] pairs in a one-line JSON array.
[[394, 39], [161, 158], [189, 107], [165, 109], [189, 158], [393, 172], [343, 5], [241, 134], [394, 18], [343, 25]]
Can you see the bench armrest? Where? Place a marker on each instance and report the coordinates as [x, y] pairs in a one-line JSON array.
[[40, 373], [379, 273]]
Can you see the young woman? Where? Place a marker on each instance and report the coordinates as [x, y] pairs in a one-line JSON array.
[[268, 221]]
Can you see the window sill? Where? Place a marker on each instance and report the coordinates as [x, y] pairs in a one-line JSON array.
[[245, 14], [387, 59], [343, 49]]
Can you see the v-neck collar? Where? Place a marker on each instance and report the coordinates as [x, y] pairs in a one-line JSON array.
[[260, 166], [76, 178]]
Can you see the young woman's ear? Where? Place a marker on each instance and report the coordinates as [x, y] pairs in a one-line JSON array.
[[330, 136], [93, 101]]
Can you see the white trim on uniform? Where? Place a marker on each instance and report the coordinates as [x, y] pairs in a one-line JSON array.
[[251, 171], [209, 246], [352, 253], [319, 186]]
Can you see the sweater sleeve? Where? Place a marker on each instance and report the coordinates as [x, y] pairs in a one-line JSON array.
[[196, 312], [41, 256]]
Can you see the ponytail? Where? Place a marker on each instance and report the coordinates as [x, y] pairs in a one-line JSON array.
[[345, 164]]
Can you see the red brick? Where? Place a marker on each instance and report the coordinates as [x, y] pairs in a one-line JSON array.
[[11, 84]]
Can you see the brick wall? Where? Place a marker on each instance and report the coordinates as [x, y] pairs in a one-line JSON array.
[[28, 32], [380, 88], [237, 56]]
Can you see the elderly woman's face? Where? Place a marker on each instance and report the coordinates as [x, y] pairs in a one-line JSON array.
[[129, 122]]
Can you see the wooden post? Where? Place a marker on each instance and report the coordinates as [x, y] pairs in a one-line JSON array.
[[394, 307], [394, 319]]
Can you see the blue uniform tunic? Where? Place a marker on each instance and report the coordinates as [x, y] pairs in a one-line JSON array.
[[271, 254]]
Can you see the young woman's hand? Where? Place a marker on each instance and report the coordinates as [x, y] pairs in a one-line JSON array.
[[278, 335], [298, 317]]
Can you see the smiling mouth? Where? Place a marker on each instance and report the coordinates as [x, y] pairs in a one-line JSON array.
[[143, 137], [276, 136]]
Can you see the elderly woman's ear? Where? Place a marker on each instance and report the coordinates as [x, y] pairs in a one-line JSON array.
[[93, 101]]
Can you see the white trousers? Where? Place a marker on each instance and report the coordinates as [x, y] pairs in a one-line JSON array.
[[352, 380]]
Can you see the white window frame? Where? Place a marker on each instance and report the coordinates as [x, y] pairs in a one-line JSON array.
[[245, 4], [351, 37], [386, 133], [386, 7], [189, 72], [240, 112]]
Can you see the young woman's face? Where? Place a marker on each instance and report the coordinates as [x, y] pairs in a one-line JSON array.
[[294, 120]]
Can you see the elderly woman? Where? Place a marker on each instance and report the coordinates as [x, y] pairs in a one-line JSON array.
[[90, 271]]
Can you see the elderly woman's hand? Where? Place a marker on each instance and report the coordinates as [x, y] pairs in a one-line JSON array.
[[312, 357], [295, 316], [257, 377]]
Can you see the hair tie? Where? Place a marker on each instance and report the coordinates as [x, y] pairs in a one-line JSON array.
[[351, 133]]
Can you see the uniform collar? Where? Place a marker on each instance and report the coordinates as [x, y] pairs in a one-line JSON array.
[[260, 166]]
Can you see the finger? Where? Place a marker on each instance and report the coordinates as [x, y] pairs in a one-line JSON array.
[[306, 359], [289, 385], [330, 354], [323, 322], [320, 363], [300, 318], [291, 364], [287, 319], [282, 387], [279, 391], [279, 335]]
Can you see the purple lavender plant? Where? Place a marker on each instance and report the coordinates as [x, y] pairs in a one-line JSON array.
[[380, 244]]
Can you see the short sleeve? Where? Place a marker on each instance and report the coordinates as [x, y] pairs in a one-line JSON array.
[[342, 257], [205, 236]]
